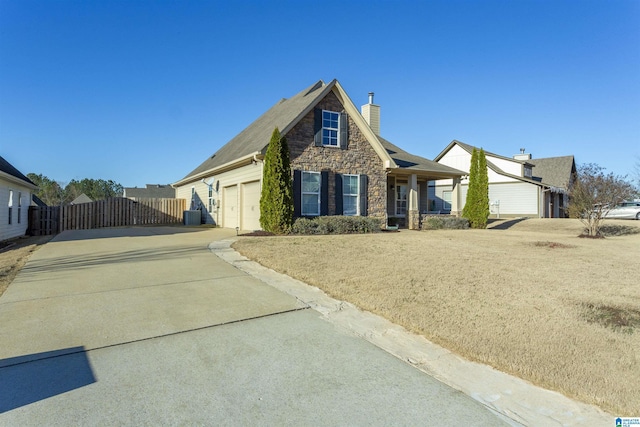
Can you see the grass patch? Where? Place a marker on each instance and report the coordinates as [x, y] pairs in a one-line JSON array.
[[14, 254], [490, 296], [553, 245], [625, 320]]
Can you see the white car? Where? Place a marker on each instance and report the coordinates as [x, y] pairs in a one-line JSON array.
[[625, 210]]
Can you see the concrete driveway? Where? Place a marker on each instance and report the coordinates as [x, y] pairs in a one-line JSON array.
[[146, 326]]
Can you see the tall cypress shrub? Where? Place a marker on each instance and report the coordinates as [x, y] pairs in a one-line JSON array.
[[469, 210], [276, 199], [483, 191], [476, 209]]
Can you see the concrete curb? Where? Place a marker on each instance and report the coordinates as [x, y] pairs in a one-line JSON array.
[[517, 401]]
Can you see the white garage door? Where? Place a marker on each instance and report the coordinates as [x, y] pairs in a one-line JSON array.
[[250, 206], [230, 207]]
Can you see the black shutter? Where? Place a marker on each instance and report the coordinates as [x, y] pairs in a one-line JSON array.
[[339, 207], [324, 193], [344, 133], [317, 127], [297, 193], [364, 190]]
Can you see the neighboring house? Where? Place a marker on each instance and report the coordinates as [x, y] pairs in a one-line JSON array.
[[83, 198], [152, 191], [15, 198], [340, 165], [518, 185]]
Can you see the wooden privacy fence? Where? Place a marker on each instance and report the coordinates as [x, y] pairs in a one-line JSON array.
[[113, 212]]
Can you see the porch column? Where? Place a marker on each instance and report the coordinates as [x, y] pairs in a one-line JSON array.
[[455, 198], [413, 213]]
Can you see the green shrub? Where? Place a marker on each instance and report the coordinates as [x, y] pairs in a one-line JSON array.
[[276, 198], [440, 222], [336, 225], [476, 208]]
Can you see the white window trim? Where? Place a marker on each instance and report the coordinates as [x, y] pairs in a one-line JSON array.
[[19, 205], [10, 206], [210, 198], [303, 193], [357, 194], [445, 201], [337, 129], [396, 200]]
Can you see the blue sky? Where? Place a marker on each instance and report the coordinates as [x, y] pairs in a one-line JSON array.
[[143, 91]]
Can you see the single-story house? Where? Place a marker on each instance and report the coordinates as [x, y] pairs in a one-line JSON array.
[[518, 185], [15, 198], [340, 165], [152, 191]]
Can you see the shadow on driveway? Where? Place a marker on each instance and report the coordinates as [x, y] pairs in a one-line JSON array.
[[34, 377], [104, 233]]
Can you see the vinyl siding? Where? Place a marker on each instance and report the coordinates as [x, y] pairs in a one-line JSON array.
[[244, 174], [509, 166], [516, 199], [15, 229]]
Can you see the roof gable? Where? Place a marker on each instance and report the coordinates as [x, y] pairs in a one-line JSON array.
[[8, 169], [255, 137], [549, 172], [492, 166], [284, 115]]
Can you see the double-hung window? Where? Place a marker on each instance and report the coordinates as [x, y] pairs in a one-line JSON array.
[[401, 199], [350, 193], [10, 205], [446, 200], [310, 193], [330, 128], [210, 198]]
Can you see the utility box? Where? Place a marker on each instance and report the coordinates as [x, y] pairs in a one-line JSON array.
[[192, 217]]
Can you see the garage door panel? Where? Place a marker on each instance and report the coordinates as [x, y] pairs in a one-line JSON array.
[[230, 207], [250, 212]]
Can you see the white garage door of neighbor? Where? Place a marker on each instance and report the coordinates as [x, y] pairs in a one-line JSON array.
[[230, 207], [250, 206]]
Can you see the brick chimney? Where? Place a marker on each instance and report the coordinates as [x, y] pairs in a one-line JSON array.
[[371, 113]]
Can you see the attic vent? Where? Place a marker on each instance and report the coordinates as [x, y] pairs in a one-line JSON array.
[[213, 156]]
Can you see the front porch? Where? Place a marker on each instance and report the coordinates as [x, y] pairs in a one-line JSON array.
[[408, 198]]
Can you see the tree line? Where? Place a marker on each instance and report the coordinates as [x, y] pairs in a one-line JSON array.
[[54, 193]]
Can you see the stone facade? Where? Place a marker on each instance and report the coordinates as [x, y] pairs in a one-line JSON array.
[[413, 222], [358, 158]]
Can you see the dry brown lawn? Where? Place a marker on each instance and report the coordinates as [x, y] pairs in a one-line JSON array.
[[533, 300], [14, 254]]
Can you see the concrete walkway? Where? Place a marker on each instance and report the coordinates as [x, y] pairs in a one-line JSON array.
[[144, 326]]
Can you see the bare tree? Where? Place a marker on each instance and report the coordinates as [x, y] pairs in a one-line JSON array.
[[594, 194]]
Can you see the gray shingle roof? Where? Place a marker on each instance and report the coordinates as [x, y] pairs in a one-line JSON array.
[[256, 136], [83, 198], [8, 168], [411, 162], [554, 171]]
